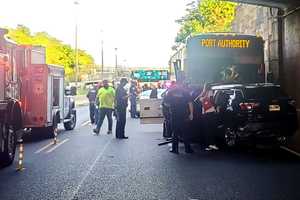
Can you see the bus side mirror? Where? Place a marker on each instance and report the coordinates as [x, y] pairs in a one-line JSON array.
[[180, 76]]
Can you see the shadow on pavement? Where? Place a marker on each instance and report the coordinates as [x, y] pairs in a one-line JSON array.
[[245, 155], [31, 137]]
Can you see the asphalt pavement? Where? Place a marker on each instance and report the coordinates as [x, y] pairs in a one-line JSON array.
[[84, 166]]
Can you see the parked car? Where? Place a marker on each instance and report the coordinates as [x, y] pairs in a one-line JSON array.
[[146, 95], [255, 112]]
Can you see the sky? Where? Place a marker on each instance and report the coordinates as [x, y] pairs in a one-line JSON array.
[[143, 31]]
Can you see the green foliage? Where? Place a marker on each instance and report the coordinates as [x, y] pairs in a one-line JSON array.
[[206, 16], [57, 52]]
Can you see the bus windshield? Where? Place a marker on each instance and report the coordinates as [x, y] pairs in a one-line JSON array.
[[218, 58]]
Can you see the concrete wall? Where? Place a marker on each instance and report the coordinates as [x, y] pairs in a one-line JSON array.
[[291, 61], [291, 55], [261, 21], [286, 64]]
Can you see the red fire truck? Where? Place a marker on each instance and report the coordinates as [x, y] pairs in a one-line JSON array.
[[32, 95]]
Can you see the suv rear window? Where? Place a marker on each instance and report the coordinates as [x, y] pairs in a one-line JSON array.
[[263, 92]]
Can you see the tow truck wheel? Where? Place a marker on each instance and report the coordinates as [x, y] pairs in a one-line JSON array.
[[70, 125], [10, 143]]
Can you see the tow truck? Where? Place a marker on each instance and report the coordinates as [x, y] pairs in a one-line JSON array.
[[31, 95]]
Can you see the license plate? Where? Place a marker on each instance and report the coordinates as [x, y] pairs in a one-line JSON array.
[[274, 108]]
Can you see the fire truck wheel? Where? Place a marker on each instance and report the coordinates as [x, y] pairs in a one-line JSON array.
[[70, 125], [10, 143]]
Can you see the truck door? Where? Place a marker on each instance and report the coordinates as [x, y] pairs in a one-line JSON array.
[[57, 95], [66, 106]]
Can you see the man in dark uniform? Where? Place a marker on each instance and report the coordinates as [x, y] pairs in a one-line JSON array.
[[181, 107], [121, 106], [92, 94], [133, 95]]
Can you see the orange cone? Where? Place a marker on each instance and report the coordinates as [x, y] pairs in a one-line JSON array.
[[21, 156]]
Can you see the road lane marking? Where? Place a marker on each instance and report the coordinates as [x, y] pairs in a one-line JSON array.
[[290, 150], [99, 156], [44, 147], [57, 145], [85, 123]]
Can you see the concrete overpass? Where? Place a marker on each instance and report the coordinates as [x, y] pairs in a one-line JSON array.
[[283, 4]]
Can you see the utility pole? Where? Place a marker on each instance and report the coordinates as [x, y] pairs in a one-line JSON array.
[[76, 46], [116, 57], [102, 60], [76, 55], [102, 55]]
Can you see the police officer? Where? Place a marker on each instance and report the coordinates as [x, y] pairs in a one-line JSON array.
[[133, 95], [91, 95], [181, 107], [121, 104], [97, 110]]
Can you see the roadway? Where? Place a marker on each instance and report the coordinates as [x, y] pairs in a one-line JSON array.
[[84, 166]]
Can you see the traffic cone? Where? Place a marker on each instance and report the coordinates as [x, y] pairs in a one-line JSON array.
[[21, 156], [55, 136]]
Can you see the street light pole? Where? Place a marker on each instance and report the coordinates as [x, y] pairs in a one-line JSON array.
[[102, 57], [76, 53], [76, 45], [102, 60], [116, 57]]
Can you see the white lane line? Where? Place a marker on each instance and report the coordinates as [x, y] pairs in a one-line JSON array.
[[57, 145], [99, 156], [44, 147], [290, 150], [85, 123]]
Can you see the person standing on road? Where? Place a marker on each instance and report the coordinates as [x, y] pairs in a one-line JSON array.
[[209, 118], [121, 106], [133, 95], [153, 93], [97, 110], [181, 109], [92, 95], [106, 96]]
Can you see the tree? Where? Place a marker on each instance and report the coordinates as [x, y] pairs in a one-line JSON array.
[[57, 52], [206, 16]]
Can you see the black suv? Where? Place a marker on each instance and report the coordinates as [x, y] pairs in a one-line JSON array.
[[254, 112]]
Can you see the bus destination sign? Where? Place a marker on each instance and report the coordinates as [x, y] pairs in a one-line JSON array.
[[225, 43]]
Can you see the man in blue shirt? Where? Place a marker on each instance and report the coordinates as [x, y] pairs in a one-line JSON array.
[[133, 95], [181, 108], [121, 104]]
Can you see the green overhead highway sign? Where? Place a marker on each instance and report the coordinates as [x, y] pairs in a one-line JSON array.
[[150, 75]]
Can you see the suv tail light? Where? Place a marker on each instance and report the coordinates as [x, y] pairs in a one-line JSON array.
[[249, 106]]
